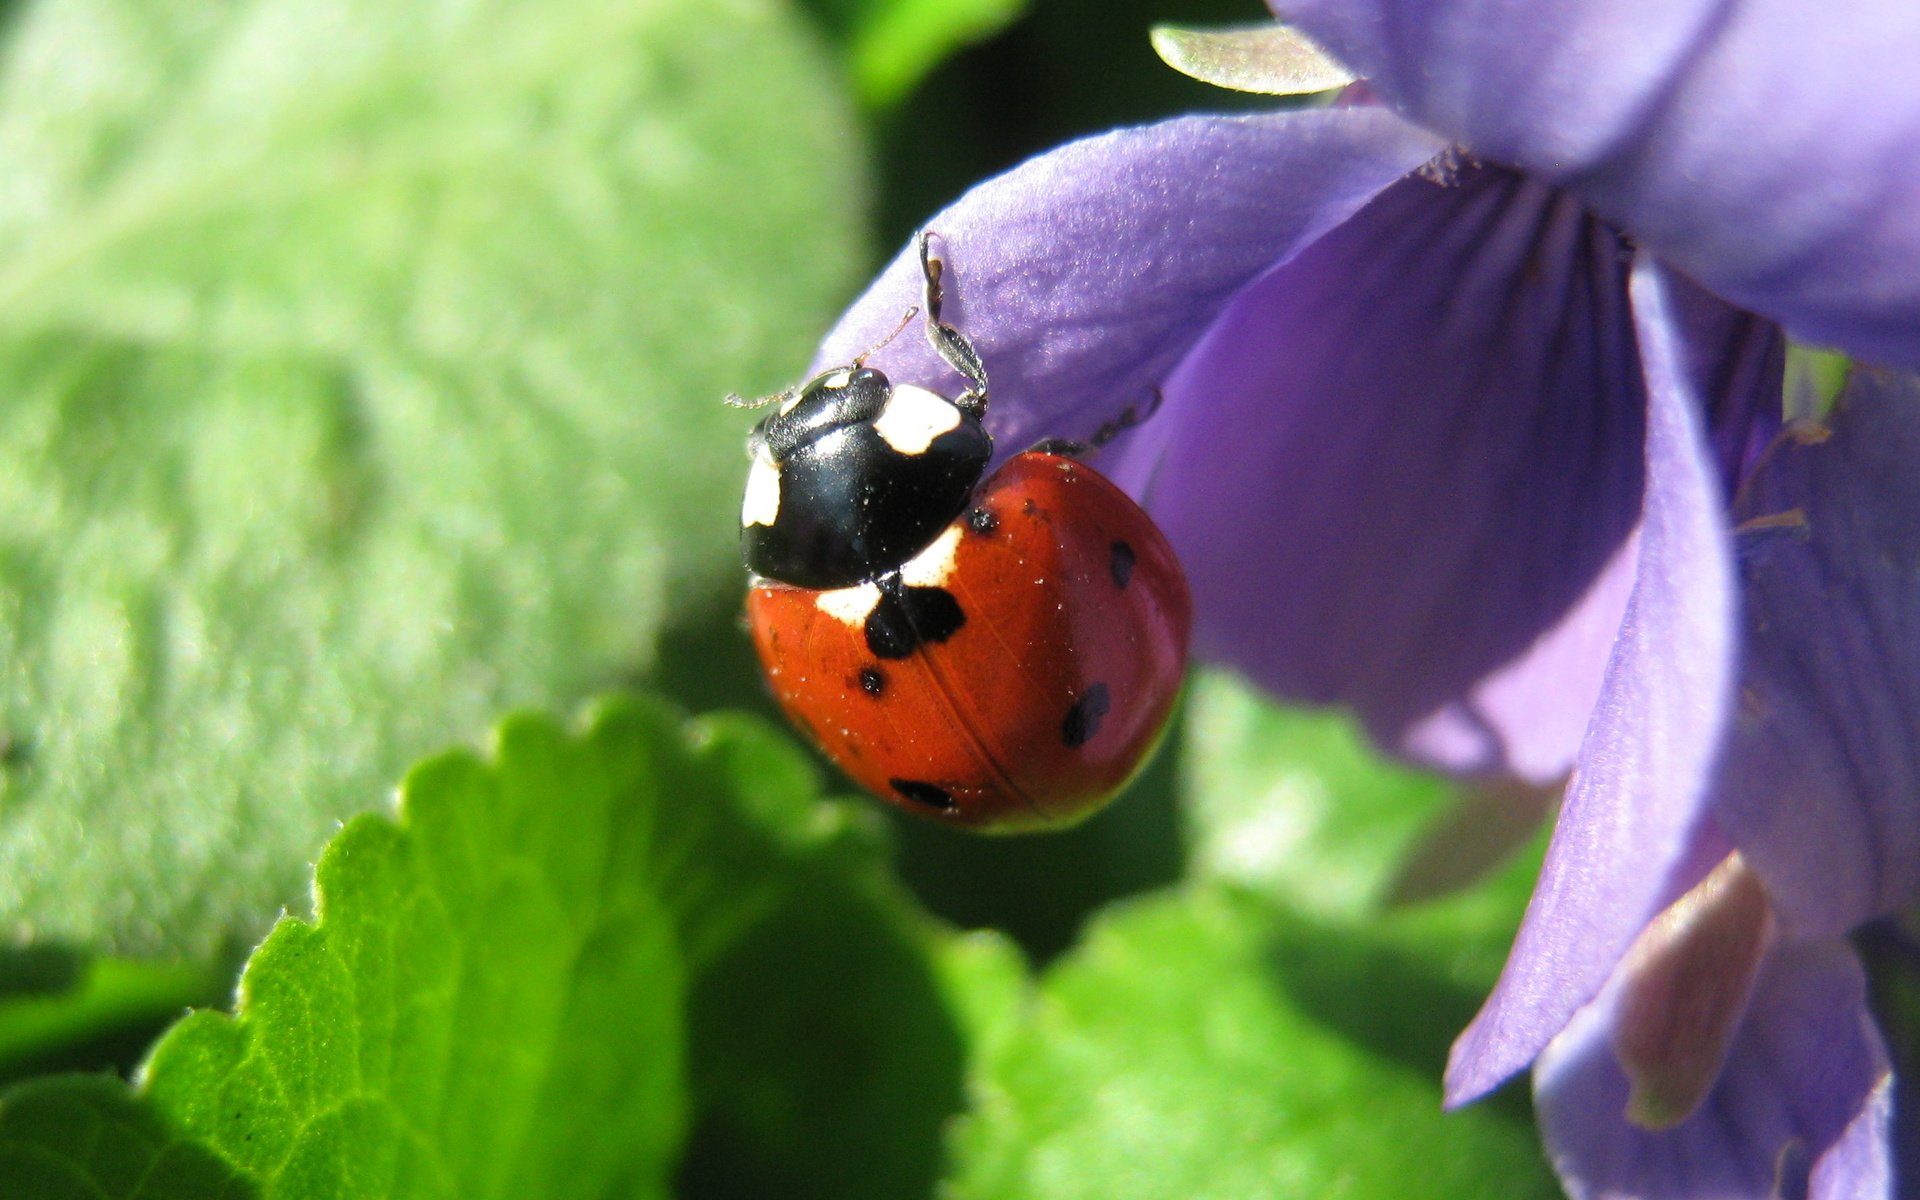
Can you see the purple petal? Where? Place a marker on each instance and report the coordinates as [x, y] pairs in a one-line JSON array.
[[1771, 148], [1568, 81], [1525, 717], [1085, 274], [1374, 504], [1821, 788], [1630, 835], [1738, 362], [1803, 1105]]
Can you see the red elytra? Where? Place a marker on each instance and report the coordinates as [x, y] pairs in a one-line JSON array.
[[1044, 697]]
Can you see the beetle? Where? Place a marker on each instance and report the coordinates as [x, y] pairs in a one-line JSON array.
[[999, 652]]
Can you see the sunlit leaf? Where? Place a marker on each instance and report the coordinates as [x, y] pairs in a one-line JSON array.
[[360, 368]]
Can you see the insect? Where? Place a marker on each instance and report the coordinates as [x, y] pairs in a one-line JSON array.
[[999, 654]]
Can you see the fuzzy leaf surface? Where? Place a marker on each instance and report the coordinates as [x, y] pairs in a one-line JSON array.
[[642, 958], [361, 365]]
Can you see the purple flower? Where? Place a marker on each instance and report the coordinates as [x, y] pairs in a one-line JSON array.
[[1474, 443], [1816, 785]]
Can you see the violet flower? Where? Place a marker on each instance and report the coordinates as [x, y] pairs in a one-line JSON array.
[[1817, 786], [1453, 438]]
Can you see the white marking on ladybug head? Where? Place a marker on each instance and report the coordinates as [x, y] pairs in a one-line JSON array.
[[761, 504], [838, 379], [933, 566], [914, 417], [849, 606]]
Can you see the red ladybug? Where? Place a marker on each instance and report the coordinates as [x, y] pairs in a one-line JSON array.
[[1000, 655]]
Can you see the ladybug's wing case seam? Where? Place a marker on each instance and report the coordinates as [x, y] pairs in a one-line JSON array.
[[829, 649], [956, 708]]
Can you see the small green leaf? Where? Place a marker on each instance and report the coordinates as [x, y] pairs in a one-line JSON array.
[[891, 44], [106, 1009], [1487, 828], [362, 367], [488, 1004], [558, 974], [1299, 806], [899, 41], [1210, 1045], [987, 979], [1815, 379], [1278, 1028]]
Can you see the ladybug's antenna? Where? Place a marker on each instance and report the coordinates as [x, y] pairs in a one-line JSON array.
[[860, 359], [954, 348], [949, 343], [736, 400]]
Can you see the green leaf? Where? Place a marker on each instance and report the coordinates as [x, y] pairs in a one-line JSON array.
[[1297, 803], [540, 979], [488, 1004], [83, 1012], [1042, 890], [1281, 1025], [1299, 806], [897, 42], [828, 1039], [1815, 379], [1211, 1045], [892, 44], [85, 1138], [360, 367]]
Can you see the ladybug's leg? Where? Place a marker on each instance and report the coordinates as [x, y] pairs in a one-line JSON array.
[[1129, 417], [949, 343], [1063, 447]]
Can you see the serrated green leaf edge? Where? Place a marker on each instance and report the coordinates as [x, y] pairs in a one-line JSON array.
[[254, 1097], [729, 850]]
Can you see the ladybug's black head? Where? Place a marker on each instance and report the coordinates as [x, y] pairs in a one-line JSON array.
[[854, 477], [845, 396]]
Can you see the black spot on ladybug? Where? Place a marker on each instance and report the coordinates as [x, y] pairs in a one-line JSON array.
[[1120, 563], [925, 794], [873, 681], [1083, 719], [907, 618], [982, 521], [1030, 506]]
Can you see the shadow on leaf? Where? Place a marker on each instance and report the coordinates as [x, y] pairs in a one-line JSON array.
[[1396, 1004], [85, 1136]]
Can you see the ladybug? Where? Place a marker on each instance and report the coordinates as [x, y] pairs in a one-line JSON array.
[[1001, 655]]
